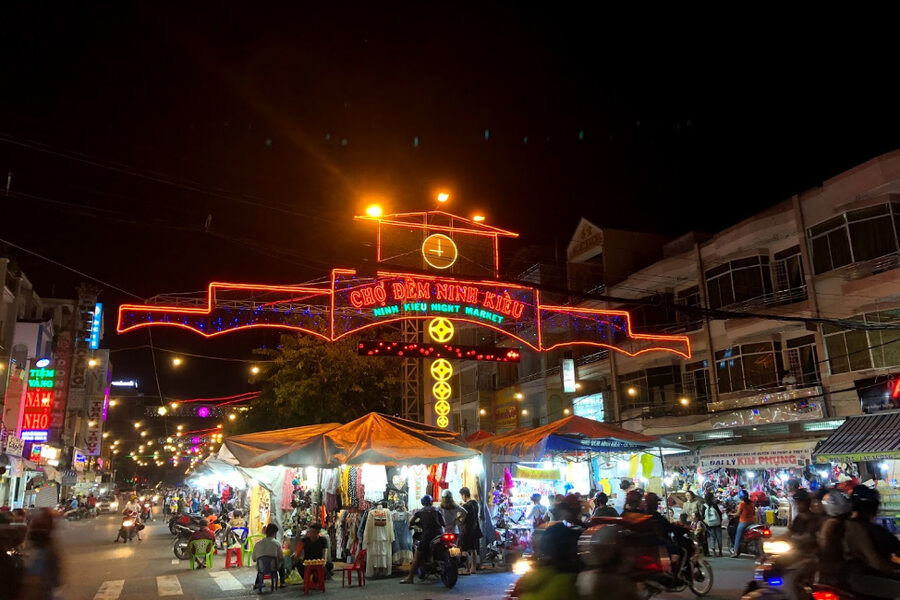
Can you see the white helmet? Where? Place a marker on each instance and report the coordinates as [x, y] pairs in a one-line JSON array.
[[836, 503]]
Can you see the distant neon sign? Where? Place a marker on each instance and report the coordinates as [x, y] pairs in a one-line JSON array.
[[36, 414], [41, 378], [895, 390], [96, 322]]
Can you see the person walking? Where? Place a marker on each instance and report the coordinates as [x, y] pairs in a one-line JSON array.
[[712, 515]]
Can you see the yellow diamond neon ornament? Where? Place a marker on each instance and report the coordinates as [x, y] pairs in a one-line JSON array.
[[441, 330], [442, 408], [443, 421], [441, 369], [441, 390]]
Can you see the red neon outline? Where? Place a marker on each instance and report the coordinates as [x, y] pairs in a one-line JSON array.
[[332, 336], [480, 228], [628, 332], [895, 393]]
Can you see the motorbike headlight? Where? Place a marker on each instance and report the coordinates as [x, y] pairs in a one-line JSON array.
[[155, 499], [114, 505], [141, 498], [777, 547], [127, 523], [522, 566]]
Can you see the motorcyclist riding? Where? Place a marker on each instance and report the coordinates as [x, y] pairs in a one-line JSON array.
[[868, 568], [431, 523], [680, 547], [133, 508], [831, 536], [558, 543]]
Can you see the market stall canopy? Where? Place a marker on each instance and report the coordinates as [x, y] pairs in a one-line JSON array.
[[300, 446], [481, 434], [571, 434], [767, 455], [373, 439], [863, 438]]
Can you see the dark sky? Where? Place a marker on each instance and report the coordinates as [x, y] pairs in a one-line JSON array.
[[126, 124]]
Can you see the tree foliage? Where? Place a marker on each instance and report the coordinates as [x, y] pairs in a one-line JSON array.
[[310, 382]]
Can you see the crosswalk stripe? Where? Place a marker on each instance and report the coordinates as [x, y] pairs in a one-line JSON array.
[[168, 585], [110, 590], [226, 581]]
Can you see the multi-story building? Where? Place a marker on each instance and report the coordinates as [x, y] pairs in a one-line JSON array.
[[801, 287]]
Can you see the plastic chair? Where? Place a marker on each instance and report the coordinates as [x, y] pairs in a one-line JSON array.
[[249, 543], [199, 550], [238, 535], [359, 567], [266, 568], [313, 578], [234, 556]]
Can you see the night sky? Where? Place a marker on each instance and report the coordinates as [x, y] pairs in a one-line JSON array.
[[126, 124]]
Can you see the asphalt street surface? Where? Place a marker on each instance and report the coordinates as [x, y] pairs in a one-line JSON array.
[[95, 568]]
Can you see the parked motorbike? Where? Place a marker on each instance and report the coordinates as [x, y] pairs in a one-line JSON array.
[[128, 529], [444, 560], [185, 521], [752, 539], [784, 572], [505, 548], [72, 514]]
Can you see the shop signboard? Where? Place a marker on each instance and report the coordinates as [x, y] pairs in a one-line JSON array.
[[858, 456], [757, 456], [506, 415], [36, 414], [62, 363], [14, 446], [568, 375]]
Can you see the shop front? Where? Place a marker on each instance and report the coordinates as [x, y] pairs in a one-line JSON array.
[[867, 447]]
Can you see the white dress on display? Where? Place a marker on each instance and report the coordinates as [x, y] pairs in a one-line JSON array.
[[377, 539]]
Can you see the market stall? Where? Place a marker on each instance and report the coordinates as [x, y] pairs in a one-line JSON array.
[[573, 454], [867, 447], [339, 474]]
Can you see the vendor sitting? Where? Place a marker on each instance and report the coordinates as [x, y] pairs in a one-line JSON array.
[[313, 547]]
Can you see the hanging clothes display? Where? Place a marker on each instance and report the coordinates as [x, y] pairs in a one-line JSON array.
[[417, 482], [402, 547], [379, 533], [374, 481]]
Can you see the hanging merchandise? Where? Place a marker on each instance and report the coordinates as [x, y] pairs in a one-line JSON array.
[[377, 538], [374, 481], [417, 482], [402, 546]]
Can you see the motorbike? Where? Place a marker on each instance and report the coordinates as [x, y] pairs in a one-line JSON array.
[[505, 547], [752, 540], [627, 558], [146, 511], [783, 572], [12, 566], [185, 521], [444, 560], [128, 529], [73, 514]]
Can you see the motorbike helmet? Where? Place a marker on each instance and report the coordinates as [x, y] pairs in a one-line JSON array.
[[633, 498], [801, 495], [836, 503], [426, 500], [599, 545], [744, 495], [652, 501], [865, 499]]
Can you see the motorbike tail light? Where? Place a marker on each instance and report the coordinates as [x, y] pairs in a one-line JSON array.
[[767, 532], [449, 537], [823, 595]]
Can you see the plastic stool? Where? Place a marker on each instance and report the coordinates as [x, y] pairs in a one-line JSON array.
[[313, 578], [234, 557]]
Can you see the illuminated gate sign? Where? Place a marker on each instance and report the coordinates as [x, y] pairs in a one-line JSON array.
[[457, 290]]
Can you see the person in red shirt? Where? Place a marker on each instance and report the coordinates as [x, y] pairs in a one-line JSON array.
[[201, 534], [746, 513]]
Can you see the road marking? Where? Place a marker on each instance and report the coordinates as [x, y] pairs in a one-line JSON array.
[[168, 585], [226, 581], [110, 590]]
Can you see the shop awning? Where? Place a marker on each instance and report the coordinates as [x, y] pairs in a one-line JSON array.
[[373, 438], [570, 435], [863, 438], [481, 434], [768, 455]]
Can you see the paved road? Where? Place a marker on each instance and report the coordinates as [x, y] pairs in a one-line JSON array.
[[97, 569]]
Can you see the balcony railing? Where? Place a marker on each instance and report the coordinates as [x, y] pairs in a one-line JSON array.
[[764, 397], [872, 267]]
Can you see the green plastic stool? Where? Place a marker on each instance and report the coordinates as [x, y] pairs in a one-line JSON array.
[[248, 547], [199, 550]]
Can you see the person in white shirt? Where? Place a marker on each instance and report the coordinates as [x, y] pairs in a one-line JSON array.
[[268, 547]]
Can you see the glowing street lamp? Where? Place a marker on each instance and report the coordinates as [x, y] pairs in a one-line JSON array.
[[232, 417], [176, 362], [443, 196], [478, 218], [632, 391], [137, 425], [685, 401], [161, 411], [373, 210], [92, 362], [254, 369]]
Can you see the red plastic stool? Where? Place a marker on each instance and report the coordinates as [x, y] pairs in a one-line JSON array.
[[313, 578], [234, 557]]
